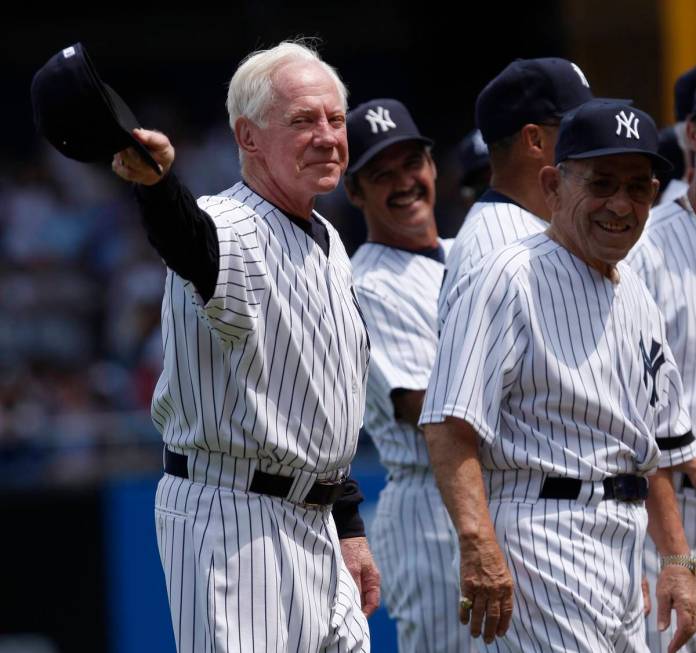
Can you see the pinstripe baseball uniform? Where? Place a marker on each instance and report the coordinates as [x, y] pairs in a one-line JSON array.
[[664, 259], [268, 376], [563, 374], [412, 536], [494, 221]]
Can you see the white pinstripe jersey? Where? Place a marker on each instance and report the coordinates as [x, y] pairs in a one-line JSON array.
[[274, 366], [665, 258], [493, 222], [398, 293], [558, 369]]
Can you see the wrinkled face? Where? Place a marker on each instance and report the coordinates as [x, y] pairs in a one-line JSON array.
[[603, 204], [396, 191], [304, 145]]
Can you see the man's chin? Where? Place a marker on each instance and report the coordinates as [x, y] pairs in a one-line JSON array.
[[326, 184]]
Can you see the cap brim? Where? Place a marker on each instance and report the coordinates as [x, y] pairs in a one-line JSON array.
[[661, 164], [370, 153]]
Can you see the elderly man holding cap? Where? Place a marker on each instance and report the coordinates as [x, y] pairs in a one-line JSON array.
[[554, 396]]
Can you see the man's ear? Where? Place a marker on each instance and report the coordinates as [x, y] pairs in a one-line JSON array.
[[550, 182], [246, 133], [533, 139], [353, 191]]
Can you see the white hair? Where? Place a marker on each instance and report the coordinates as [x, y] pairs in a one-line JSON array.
[[250, 92]]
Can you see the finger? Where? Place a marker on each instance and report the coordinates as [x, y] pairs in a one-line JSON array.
[[370, 589], [119, 166], [478, 611], [492, 620], [506, 608], [370, 600], [151, 139], [647, 605], [664, 605], [464, 614], [679, 639], [683, 632]]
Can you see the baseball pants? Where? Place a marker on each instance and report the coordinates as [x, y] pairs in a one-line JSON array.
[[247, 572], [414, 545], [577, 570]]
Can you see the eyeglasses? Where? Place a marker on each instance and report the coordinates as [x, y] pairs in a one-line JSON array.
[[639, 190]]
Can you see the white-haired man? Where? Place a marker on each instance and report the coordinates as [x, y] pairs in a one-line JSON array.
[[262, 392]]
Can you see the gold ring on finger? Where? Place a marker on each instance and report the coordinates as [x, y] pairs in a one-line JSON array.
[[465, 603]]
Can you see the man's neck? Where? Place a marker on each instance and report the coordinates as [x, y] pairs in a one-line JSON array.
[[524, 189], [413, 243], [265, 186]]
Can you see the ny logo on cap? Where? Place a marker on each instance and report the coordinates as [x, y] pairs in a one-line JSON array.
[[630, 123], [380, 119]]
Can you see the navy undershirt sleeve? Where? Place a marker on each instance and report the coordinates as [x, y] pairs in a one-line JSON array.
[[183, 234]]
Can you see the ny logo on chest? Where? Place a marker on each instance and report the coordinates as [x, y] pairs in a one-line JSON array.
[[652, 362]]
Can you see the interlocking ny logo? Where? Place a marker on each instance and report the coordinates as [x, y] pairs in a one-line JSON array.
[[380, 119], [651, 363], [630, 124]]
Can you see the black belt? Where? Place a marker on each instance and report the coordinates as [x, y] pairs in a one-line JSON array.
[[625, 487], [320, 494]]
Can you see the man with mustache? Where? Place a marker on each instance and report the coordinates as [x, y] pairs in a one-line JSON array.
[[261, 397], [554, 396], [398, 271]]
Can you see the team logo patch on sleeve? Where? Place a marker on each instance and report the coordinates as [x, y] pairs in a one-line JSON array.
[[651, 363]]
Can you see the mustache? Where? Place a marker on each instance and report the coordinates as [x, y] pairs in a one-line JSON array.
[[418, 189]]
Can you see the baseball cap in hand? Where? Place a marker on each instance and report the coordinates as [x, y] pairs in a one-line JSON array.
[[79, 114], [374, 126], [603, 127], [529, 91]]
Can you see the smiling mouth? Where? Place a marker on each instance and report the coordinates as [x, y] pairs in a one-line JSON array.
[[614, 227], [403, 200]]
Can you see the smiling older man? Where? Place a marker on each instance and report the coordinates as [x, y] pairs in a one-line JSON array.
[[398, 273], [265, 366], [554, 395]]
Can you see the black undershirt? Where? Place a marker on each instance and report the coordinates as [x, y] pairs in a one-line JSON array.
[[186, 238], [436, 253]]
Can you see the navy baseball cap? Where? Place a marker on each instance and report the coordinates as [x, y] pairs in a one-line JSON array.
[[685, 95], [80, 115], [374, 126], [529, 91], [603, 127], [473, 154]]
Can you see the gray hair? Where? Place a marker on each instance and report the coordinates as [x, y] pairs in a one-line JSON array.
[[250, 92]]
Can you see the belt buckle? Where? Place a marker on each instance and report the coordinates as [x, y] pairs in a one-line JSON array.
[[627, 489], [320, 506]]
